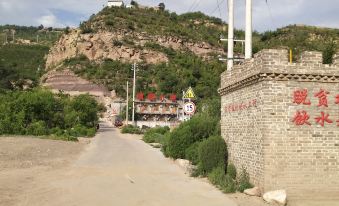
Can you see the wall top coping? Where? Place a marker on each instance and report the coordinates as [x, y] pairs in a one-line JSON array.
[[272, 64]]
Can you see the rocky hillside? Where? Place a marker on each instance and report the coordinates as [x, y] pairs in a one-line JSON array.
[[173, 51], [112, 35]]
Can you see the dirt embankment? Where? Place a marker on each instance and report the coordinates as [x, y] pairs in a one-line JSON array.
[[24, 159]]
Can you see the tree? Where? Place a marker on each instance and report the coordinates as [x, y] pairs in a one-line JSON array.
[[162, 6], [41, 27]]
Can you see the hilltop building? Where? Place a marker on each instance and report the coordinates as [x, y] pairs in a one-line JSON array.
[[115, 3]]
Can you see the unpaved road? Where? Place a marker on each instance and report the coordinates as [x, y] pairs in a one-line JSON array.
[[114, 169]]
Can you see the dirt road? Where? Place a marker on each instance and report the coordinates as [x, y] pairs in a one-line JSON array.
[[119, 170]]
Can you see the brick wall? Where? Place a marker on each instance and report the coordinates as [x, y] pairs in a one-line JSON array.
[[258, 123]]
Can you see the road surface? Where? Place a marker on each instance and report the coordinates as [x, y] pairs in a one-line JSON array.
[[121, 170]]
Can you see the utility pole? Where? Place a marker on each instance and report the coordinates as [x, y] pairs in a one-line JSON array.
[[13, 33], [248, 39], [127, 104], [230, 54], [6, 40], [134, 82], [37, 39]]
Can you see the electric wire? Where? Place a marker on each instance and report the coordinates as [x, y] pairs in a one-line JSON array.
[[272, 19], [217, 7]]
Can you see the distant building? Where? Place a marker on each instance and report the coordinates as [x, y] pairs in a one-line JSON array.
[[154, 109], [115, 3]]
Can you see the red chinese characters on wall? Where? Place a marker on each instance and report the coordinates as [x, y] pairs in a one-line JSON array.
[[322, 95], [236, 107], [301, 118], [300, 97], [323, 118]]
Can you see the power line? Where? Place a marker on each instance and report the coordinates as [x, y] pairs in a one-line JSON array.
[[272, 19], [190, 9], [194, 5], [217, 7]]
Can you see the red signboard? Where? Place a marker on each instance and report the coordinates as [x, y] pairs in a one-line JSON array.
[[173, 97], [140, 96], [151, 97]]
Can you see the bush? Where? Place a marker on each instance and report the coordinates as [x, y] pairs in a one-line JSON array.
[[39, 112], [37, 129], [153, 138], [130, 129], [155, 135], [232, 171], [165, 142], [230, 185], [212, 154], [244, 181], [198, 128], [221, 180], [192, 153], [180, 139]]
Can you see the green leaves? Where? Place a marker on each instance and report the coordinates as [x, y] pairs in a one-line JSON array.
[[39, 112]]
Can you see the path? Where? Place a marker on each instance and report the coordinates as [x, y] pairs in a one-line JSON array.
[[121, 170]]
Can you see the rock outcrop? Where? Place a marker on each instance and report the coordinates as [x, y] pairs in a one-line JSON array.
[[120, 45]]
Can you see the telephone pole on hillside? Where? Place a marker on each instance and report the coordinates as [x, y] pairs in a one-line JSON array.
[[127, 104], [135, 66]]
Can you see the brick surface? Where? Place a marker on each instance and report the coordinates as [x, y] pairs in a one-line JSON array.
[[258, 123]]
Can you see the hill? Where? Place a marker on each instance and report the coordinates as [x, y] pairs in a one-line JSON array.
[[173, 51], [22, 59], [301, 38]]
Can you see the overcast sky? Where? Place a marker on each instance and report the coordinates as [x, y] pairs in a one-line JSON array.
[[278, 13]]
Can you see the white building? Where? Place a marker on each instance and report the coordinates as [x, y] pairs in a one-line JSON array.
[[115, 3]]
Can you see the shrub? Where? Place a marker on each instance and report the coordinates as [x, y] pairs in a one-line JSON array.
[[180, 139], [232, 171], [192, 153], [198, 128], [165, 142], [244, 181], [221, 180], [153, 138], [130, 129], [212, 154], [230, 185], [37, 128]]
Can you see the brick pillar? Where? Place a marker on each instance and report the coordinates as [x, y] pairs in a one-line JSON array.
[[312, 57], [336, 59]]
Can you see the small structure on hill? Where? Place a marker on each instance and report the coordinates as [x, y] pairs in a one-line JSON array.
[[115, 3]]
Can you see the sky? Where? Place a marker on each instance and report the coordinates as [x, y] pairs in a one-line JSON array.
[[274, 14]]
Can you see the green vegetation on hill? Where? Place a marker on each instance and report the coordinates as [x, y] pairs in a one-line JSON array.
[[183, 70], [21, 65], [301, 38], [191, 26], [39, 112], [45, 36]]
